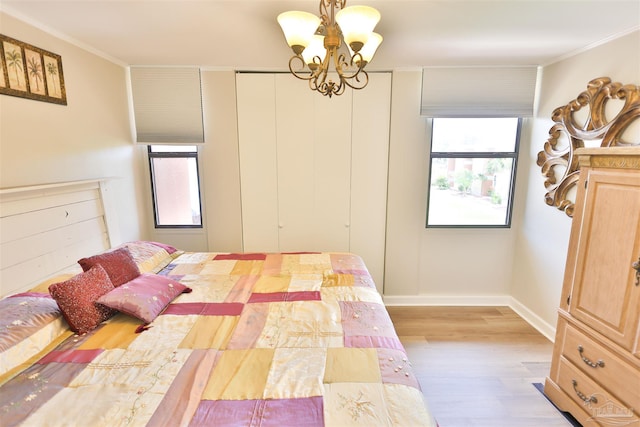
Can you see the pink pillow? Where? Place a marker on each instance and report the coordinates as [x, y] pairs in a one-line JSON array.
[[170, 249], [76, 298], [118, 264], [145, 297]]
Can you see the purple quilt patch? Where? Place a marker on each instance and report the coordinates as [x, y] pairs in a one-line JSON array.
[[301, 412], [32, 388], [71, 356]]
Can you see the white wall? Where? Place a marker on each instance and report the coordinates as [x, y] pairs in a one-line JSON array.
[[88, 138], [220, 164], [433, 266], [522, 266], [543, 236]]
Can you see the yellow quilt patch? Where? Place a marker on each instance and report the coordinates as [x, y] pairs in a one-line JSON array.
[[337, 280], [210, 332], [352, 365], [240, 374], [267, 284], [118, 332], [247, 268]]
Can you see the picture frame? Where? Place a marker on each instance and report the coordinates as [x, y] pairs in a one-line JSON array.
[[30, 72]]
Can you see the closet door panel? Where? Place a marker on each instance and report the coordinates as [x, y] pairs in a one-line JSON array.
[[313, 155], [258, 162], [369, 166]]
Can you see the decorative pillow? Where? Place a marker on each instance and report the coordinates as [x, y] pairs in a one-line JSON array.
[[118, 264], [29, 322], [151, 257], [170, 249], [145, 297], [76, 298]]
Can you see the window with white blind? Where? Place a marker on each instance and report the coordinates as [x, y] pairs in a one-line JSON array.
[[167, 105]]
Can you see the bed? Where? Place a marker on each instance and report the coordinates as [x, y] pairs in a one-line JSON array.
[[218, 339]]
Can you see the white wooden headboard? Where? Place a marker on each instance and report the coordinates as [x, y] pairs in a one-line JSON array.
[[45, 229]]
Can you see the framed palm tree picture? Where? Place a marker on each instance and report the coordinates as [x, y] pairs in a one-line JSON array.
[[30, 72]]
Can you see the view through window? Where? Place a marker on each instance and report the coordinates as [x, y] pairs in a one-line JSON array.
[[472, 171], [175, 186]]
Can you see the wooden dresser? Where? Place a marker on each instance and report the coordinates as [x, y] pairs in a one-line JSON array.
[[595, 370]]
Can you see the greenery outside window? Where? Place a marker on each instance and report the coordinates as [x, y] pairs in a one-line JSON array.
[[175, 186], [472, 171]]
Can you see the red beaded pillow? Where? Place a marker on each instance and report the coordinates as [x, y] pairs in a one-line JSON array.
[[118, 264], [76, 298]]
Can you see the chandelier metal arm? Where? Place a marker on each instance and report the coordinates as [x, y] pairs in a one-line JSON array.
[[300, 73], [317, 74]]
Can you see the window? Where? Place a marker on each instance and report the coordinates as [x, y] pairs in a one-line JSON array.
[[472, 171], [175, 186]]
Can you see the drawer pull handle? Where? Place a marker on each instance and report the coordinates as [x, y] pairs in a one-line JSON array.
[[588, 361], [589, 399], [636, 267]]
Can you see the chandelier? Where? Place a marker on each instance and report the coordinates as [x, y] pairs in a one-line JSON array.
[[316, 44]]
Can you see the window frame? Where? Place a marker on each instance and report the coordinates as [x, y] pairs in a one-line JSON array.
[[168, 155], [477, 155]]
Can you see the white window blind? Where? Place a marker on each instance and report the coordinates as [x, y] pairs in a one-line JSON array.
[[478, 91], [167, 105]]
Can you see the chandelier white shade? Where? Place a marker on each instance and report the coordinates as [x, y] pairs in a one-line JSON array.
[[298, 28], [357, 24], [316, 43], [313, 49], [369, 48]]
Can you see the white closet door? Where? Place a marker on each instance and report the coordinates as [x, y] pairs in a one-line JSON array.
[[258, 164], [314, 171], [369, 166]]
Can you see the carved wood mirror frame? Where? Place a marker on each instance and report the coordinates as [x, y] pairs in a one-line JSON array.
[[558, 162]]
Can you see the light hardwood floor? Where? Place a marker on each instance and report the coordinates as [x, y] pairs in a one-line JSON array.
[[476, 365]]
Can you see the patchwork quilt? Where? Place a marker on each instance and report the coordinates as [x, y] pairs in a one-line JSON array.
[[291, 339]]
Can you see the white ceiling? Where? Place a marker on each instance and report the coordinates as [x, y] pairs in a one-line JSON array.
[[244, 34]]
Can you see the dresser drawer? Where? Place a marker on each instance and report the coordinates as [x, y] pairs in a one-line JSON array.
[[595, 400], [603, 366]]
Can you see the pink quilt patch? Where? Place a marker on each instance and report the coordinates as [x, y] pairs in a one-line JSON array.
[[347, 262], [71, 356], [364, 318], [241, 257], [285, 296], [395, 368], [205, 309], [360, 341]]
